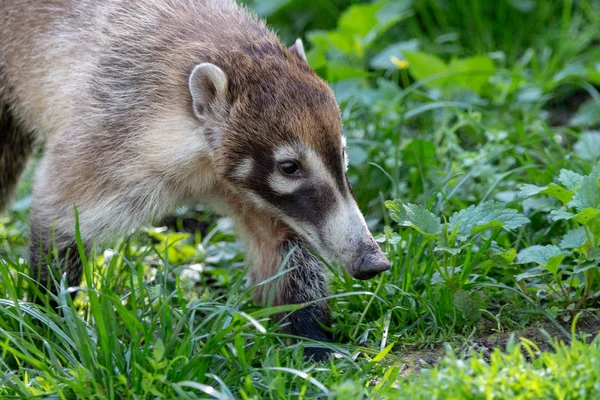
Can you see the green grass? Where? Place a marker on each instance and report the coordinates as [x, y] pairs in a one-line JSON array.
[[478, 169]]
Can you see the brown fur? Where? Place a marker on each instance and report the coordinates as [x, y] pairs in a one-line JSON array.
[[106, 84]]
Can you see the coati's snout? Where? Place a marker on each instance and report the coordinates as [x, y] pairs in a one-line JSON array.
[[370, 264]]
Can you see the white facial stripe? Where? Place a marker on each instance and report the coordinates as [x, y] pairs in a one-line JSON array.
[[346, 230], [283, 185], [243, 169], [259, 201], [285, 153], [318, 169]]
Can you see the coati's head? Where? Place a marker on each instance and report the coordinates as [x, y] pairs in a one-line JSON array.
[[275, 134]]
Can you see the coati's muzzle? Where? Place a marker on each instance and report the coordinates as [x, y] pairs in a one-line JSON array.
[[345, 239]]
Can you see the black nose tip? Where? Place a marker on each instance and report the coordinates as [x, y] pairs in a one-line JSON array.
[[372, 264]]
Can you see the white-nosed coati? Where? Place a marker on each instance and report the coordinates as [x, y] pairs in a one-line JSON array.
[[144, 104]]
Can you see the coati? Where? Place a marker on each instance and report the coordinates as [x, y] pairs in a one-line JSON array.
[[145, 104]]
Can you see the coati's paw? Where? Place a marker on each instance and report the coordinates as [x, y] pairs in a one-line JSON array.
[[318, 354]]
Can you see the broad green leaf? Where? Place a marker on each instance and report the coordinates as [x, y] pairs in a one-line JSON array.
[[554, 263], [585, 215], [532, 273], [490, 224], [467, 306], [423, 65], [588, 145], [558, 215], [509, 255], [319, 45], [587, 115], [573, 239], [339, 70], [472, 72], [450, 250], [582, 268], [549, 256], [587, 195], [489, 214], [382, 60], [416, 217], [572, 70], [344, 42], [528, 190], [360, 19], [570, 179], [558, 192], [357, 155]]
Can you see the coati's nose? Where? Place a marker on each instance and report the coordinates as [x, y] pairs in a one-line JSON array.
[[370, 264]]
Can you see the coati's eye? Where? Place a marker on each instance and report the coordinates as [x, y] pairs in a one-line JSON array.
[[290, 168]]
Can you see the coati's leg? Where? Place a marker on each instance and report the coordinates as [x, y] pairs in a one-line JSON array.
[[305, 283], [270, 244], [16, 145], [45, 234], [106, 204]]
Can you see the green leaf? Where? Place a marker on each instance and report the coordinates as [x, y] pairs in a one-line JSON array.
[[529, 190], [472, 72], [548, 256], [571, 70], [488, 225], [159, 350], [467, 306], [416, 217], [339, 70], [582, 268], [484, 215], [382, 60], [588, 194], [558, 192], [423, 65], [558, 215], [509, 255], [532, 273], [588, 145], [570, 179], [573, 239], [585, 216], [344, 42], [450, 250], [319, 45], [587, 115], [360, 19]]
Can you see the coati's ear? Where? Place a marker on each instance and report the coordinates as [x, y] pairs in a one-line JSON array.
[[297, 49], [208, 86]]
